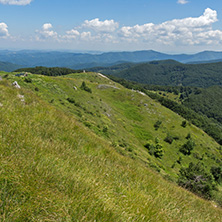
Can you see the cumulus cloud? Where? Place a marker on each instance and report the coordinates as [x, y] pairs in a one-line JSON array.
[[177, 32], [46, 32], [101, 26], [3, 30], [71, 35], [186, 31], [15, 2], [182, 2]]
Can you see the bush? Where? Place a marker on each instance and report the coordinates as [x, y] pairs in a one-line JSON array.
[[71, 100], [154, 149], [188, 136], [196, 179], [184, 123], [85, 87], [157, 124], [169, 139], [217, 173], [28, 80], [187, 147]]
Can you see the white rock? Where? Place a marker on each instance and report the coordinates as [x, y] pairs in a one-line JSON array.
[[16, 85]]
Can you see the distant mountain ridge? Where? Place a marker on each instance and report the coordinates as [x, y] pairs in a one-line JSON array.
[[8, 67], [85, 60]]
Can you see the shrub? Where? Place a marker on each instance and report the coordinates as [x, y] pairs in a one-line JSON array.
[[184, 123], [105, 129], [28, 80], [188, 136], [169, 139], [157, 124], [217, 173], [154, 149], [85, 87], [71, 100], [196, 179], [187, 147]]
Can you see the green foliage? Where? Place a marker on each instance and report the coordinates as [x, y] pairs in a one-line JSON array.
[[8, 67], [157, 124], [28, 80], [187, 147], [154, 149], [169, 139], [53, 71], [217, 173], [105, 129], [174, 74], [188, 136], [208, 125], [184, 123], [85, 87], [71, 100], [196, 179]]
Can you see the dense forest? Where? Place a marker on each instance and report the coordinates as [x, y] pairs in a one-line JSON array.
[[8, 67], [53, 71], [168, 73]]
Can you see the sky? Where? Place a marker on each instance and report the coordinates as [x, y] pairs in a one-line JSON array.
[[170, 26]]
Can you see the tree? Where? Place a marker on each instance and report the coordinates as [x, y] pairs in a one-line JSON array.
[[196, 179], [85, 87], [187, 147], [217, 173], [154, 149]]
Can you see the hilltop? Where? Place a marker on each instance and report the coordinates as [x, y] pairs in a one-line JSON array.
[[77, 147]]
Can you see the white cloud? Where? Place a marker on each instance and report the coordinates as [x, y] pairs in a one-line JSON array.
[[172, 34], [47, 26], [182, 2], [178, 31], [46, 33], [3, 30], [15, 2], [71, 35], [101, 26]]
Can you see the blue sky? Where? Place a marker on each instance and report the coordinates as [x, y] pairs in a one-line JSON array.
[[172, 26]]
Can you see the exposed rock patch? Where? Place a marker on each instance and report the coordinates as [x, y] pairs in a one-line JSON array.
[[103, 86]]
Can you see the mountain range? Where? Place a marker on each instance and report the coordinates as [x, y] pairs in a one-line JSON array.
[[31, 58]]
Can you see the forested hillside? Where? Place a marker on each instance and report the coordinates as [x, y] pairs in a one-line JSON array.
[[174, 74], [8, 67]]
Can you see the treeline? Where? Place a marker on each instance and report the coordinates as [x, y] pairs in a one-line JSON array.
[[49, 71], [210, 126]]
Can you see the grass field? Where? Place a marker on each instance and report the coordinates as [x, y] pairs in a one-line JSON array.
[[84, 159]]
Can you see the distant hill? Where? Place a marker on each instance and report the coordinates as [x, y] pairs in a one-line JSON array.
[[32, 58], [174, 74], [8, 67], [207, 101]]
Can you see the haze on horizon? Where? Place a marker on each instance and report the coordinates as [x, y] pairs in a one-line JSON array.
[[175, 26]]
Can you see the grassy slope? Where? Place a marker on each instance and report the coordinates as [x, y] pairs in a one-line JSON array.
[[54, 168]]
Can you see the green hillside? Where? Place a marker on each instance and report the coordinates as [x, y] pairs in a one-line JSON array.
[[173, 74], [8, 67], [83, 148], [207, 101]]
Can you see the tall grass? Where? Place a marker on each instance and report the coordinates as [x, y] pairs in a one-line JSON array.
[[52, 168]]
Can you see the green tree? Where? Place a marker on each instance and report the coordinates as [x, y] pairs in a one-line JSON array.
[[187, 147], [196, 179]]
